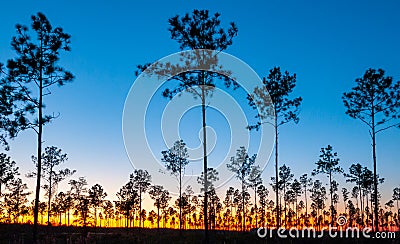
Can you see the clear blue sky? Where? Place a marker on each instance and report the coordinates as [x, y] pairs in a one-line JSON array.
[[326, 43]]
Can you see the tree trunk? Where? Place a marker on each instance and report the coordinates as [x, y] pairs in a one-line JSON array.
[[255, 202], [284, 195], [375, 174], [278, 214], [140, 208], [39, 148], [362, 204], [203, 111], [244, 211], [180, 195], [331, 192], [49, 201], [305, 198], [158, 218], [95, 216]]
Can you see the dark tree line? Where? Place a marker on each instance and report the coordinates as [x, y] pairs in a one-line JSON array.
[[239, 209]]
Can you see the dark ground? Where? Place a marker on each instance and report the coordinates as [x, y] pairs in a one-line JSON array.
[[15, 233]]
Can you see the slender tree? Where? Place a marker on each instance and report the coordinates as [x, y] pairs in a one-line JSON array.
[[81, 200], [14, 198], [363, 179], [284, 110], [161, 198], [295, 187], [375, 100], [35, 69], [306, 182], [141, 182], [318, 196], [212, 176], [241, 165], [328, 164], [228, 202], [128, 198], [255, 180], [285, 176], [262, 193], [96, 197], [176, 160], [51, 158], [199, 30]]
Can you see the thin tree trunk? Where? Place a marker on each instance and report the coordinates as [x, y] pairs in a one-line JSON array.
[[278, 218], [140, 207], [180, 196], [284, 195], [49, 201], [331, 192], [39, 148], [203, 111], [375, 173], [362, 205], [158, 218], [255, 202], [305, 198], [95, 216], [243, 205]]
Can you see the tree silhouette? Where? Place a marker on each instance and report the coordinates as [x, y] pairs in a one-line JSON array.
[[96, 197], [199, 30], [51, 158], [141, 182], [345, 194], [241, 165], [161, 198], [306, 182], [109, 212], [295, 187], [189, 194], [58, 206], [318, 196], [8, 170], [82, 203], [396, 196], [128, 198], [375, 100], [262, 193], [328, 164], [212, 177], [228, 202], [284, 110], [363, 179], [68, 204], [14, 198], [255, 180], [176, 159], [36, 66], [285, 176]]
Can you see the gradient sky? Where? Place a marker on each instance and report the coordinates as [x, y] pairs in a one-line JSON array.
[[326, 43]]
